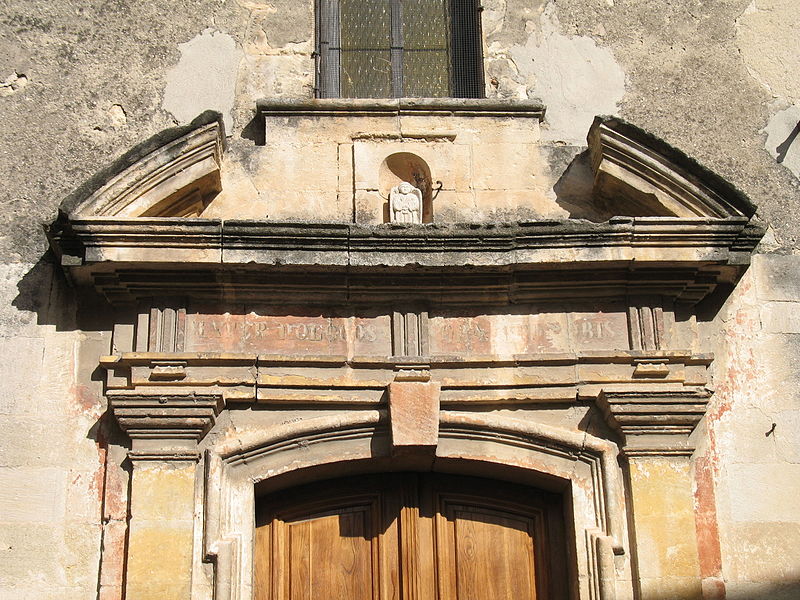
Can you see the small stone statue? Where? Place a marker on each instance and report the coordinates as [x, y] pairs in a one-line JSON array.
[[405, 204]]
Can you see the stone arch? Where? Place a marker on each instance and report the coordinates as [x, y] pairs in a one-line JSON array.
[[489, 445]]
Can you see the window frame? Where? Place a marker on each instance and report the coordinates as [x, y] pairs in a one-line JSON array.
[[328, 47]]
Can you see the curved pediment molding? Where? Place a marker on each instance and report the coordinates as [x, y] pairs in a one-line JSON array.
[[175, 174], [637, 174]]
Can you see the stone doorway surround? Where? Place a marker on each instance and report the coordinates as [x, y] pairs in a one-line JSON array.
[[249, 355]]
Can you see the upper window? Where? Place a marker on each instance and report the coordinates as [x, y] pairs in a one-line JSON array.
[[399, 48]]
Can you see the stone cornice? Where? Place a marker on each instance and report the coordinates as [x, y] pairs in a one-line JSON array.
[[362, 381], [682, 259], [286, 243], [350, 107]]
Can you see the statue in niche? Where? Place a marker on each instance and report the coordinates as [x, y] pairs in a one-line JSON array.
[[405, 204]]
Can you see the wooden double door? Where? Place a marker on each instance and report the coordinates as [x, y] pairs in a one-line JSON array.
[[409, 536]]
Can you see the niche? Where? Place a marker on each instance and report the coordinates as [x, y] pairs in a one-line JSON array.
[[405, 166]]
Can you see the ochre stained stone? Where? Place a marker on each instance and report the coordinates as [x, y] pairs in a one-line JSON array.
[[414, 415]]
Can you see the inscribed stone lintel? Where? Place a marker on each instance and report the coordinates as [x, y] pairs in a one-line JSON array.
[[414, 416]]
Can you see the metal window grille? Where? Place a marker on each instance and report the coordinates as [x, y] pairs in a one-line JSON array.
[[399, 48]]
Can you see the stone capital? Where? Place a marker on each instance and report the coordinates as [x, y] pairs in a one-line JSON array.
[[165, 426], [656, 422]]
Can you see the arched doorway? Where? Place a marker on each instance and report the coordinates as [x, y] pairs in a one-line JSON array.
[[410, 536]]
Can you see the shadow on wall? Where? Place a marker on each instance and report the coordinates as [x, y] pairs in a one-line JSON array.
[[574, 190], [45, 291]]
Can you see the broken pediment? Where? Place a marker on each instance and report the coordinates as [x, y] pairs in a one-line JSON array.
[[175, 174], [666, 216], [636, 174]]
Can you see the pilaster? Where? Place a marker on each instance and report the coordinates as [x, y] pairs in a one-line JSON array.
[[655, 429], [164, 431]]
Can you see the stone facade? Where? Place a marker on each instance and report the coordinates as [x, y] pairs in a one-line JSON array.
[[605, 307]]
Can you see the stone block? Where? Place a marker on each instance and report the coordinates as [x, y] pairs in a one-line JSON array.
[[345, 165], [19, 378], [764, 493], [306, 205], [454, 207], [279, 75], [763, 552], [31, 555], [777, 277], [414, 415], [112, 573], [32, 495], [81, 556], [23, 445], [663, 514], [84, 495], [515, 204], [162, 491], [370, 208], [780, 317], [296, 169], [283, 24], [787, 444], [506, 166], [45, 591], [749, 442], [784, 590], [671, 588], [159, 560]]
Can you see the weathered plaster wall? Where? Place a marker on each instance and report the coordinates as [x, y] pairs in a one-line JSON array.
[[80, 83], [748, 459]]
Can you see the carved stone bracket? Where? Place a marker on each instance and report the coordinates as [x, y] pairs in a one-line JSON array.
[[165, 426], [654, 422]]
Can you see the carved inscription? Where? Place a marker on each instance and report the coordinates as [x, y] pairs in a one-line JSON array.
[[460, 335], [501, 335], [522, 334], [547, 333], [288, 334], [600, 331]]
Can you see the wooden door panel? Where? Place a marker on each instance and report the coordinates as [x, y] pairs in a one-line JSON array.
[[492, 554], [331, 557], [329, 549], [408, 537]]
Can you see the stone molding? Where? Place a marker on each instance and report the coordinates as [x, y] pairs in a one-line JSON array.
[[681, 259], [164, 422], [363, 381], [433, 244], [172, 180], [587, 463], [443, 107], [637, 172], [654, 422]]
